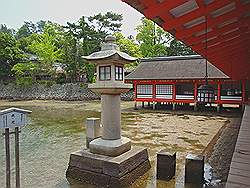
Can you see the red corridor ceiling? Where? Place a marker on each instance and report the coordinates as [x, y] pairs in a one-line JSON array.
[[227, 36]]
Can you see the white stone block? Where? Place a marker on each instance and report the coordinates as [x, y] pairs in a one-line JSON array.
[[93, 128]]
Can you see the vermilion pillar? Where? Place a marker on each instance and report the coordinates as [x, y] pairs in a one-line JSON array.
[[219, 92], [135, 90], [243, 91], [219, 97], [135, 94], [174, 91], [174, 95], [154, 93], [195, 91]]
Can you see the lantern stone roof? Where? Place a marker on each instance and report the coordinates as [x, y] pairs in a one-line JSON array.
[[18, 110], [109, 49], [175, 68]]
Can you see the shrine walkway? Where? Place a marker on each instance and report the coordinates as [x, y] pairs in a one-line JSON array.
[[239, 174]]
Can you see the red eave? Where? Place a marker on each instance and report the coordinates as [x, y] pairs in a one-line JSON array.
[[228, 29]]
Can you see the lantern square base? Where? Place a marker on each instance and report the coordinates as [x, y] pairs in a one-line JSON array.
[[110, 147], [105, 171]]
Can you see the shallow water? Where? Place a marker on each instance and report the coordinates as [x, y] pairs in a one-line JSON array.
[[57, 128]]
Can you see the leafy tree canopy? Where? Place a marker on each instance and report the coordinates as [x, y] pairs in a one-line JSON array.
[[5, 29], [28, 28], [45, 47], [152, 39], [10, 53]]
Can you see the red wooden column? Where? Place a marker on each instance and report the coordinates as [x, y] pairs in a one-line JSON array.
[[219, 104], [135, 94], [174, 91], [195, 94], [195, 91], [154, 89], [174, 95], [135, 90], [219, 92], [243, 91], [154, 93]]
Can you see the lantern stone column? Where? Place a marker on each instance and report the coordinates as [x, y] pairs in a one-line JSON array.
[[111, 117], [110, 161]]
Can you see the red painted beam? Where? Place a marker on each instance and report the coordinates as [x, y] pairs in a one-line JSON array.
[[217, 32], [242, 52], [148, 3], [170, 24], [242, 41], [162, 8], [212, 22], [222, 39]]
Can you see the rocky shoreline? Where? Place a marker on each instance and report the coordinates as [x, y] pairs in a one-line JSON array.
[[65, 92], [220, 155]]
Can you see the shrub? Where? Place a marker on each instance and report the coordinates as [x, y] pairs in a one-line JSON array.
[[24, 81]]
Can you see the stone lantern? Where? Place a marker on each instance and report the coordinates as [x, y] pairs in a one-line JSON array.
[[110, 84], [110, 160]]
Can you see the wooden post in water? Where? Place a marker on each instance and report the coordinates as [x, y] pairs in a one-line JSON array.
[[17, 157], [7, 151]]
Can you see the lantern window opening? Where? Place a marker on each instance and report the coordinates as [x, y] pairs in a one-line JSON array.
[[104, 73], [118, 73]]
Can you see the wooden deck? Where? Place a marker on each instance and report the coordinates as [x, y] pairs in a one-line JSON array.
[[239, 174]]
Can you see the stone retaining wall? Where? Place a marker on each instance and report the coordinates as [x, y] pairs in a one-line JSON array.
[[70, 91]]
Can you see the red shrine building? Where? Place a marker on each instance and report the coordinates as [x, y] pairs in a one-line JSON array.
[[216, 29], [175, 80]]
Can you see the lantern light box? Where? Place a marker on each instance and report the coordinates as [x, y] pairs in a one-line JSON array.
[[13, 117]]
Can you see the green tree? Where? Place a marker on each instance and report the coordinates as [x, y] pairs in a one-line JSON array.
[[10, 54], [25, 30], [5, 29], [177, 48], [84, 37], [45, 46], [152, 39], [128, 45], [72, 50], [29, 28], [25, 73]]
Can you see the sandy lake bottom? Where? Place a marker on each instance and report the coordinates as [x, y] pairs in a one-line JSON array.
[[57, 128]]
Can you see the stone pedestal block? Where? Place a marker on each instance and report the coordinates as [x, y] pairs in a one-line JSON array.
[[104, 171], [166, 165], [110, 147], [194, 169], [93, 130]]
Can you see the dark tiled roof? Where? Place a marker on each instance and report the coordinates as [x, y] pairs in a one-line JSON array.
[[175, 67]]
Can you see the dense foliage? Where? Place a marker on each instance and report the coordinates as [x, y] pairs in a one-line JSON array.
[[48, 50]]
